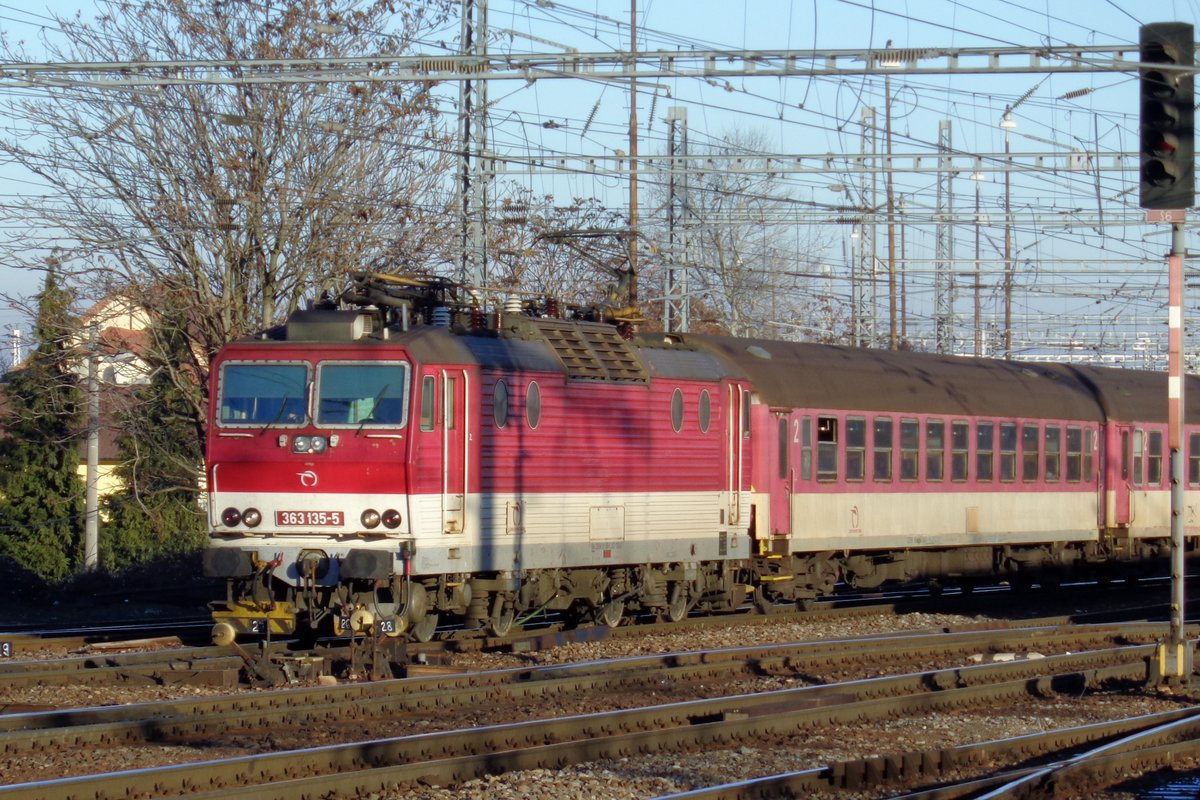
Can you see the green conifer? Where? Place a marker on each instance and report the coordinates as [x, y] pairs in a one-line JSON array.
[[41, 494]]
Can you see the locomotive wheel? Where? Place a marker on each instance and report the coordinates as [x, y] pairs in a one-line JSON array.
[[501, 624], [423, 631], [762, 603], [678, 607], [610, 613]]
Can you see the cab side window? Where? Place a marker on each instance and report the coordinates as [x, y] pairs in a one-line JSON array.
[[428, 402]]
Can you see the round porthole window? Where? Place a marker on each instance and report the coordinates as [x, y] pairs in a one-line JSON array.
[[500, 404], [533, 405], [704, 412], [677, 410]]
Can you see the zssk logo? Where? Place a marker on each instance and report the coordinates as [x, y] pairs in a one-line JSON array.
[[308, 478]]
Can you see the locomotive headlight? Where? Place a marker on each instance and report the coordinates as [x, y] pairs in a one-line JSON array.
[[392, 518], [252, 517], [230, 517], [309, 444], [370, 519]]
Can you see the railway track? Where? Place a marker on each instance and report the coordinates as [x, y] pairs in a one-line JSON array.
[[1076, 760], [165, 662], [453, 756]]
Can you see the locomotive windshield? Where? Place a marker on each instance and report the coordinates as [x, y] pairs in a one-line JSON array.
[[362, 394], [263, 394]]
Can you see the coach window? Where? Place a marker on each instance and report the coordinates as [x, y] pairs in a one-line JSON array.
[[1193, 459], [1127, 455], [1154, 459], [428, 402], [910, 449], [704, 411], [533, 405], [935, 450], [783, 446], [882, 443], [1008, 452], [1030, 453], [985, 438], [1074, 454], [856, 448], [1139, 473], [806, 448], [827, 448], [500, 404], [960, 450], [745, 415], [1089, 448], [1053, 453]]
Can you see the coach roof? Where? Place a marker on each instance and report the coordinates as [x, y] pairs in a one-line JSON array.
[[805, 375]]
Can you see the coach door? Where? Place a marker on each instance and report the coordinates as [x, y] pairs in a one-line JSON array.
[[779, 482], [735, 431], [1119, 476], [455, 453]]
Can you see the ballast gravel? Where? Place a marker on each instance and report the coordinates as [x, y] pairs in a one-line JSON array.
[[646, 776]]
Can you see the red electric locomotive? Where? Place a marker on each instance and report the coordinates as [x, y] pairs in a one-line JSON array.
[[395, 463]]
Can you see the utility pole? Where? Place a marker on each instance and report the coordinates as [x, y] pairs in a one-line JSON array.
[[978, 288], [1008, 124], [676, 304], [473, 125], [633, 156], [903, 274], [944, 244], [1177, 658], [865, 331], [91, 517], [14, 336], [893, 335]]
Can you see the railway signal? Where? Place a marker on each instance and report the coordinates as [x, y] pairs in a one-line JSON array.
[[1167, 56]]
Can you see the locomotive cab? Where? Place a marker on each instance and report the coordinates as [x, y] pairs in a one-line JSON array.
[[308, 442]]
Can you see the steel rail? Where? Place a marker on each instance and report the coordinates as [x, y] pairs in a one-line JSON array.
[[910, 767], [235, 720], [827, 608], [155, 666], [456, 756], [1136, 753], [437, 692]]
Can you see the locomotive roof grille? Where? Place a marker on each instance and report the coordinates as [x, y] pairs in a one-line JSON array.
[[589, 351]]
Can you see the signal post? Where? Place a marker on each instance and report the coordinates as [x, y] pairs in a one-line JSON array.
[[1167, 189]]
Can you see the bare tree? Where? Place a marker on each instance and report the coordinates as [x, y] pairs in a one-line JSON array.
[[748, 263], [235, 202], [572, 251]]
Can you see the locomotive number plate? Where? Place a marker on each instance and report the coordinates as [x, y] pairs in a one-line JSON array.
[[317, 518]]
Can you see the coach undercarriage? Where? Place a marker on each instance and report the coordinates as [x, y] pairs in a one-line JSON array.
[[396, 604]]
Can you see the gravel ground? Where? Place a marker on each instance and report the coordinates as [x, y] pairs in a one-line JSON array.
[[639, 777], [656, 775]]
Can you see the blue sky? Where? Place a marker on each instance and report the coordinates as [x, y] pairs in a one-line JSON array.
[[805, 115]]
